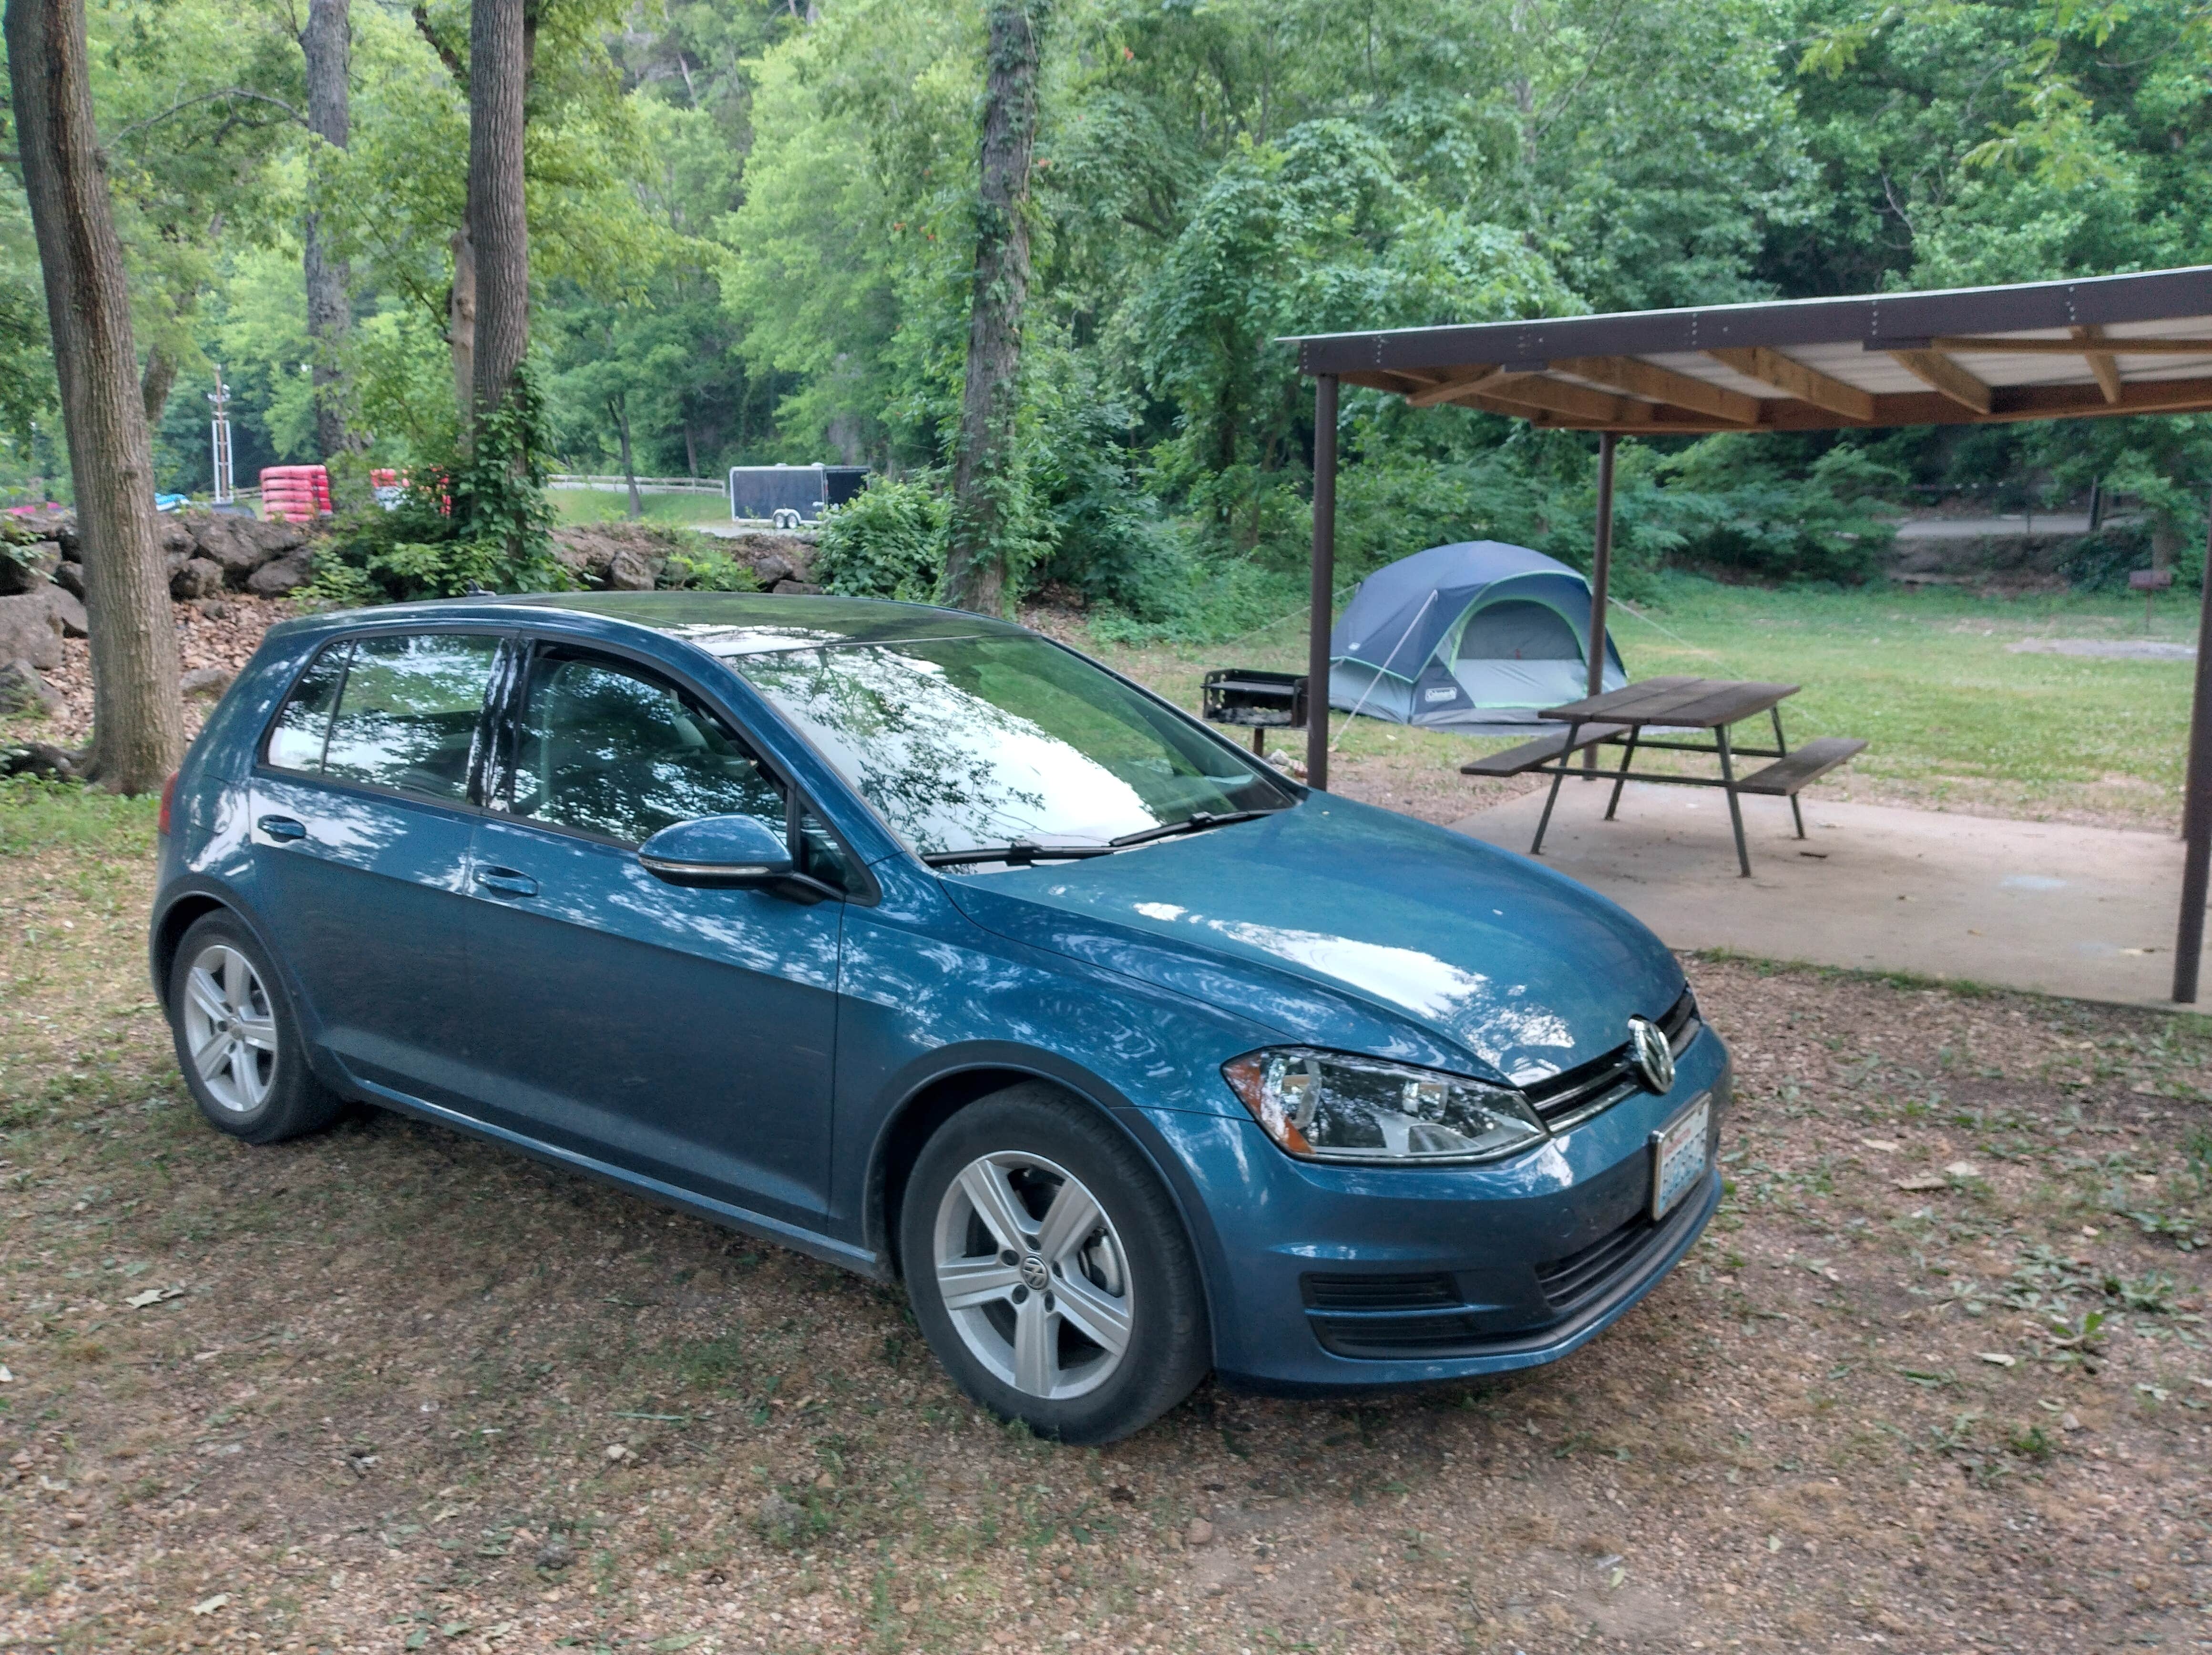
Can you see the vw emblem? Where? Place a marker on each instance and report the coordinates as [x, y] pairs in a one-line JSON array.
[[1653, 1055]]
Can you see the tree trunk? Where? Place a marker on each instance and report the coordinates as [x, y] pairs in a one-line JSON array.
[[691, 452], [461, 322], [619, 407], [982, 476], [138, 716], [156, 384], [499, 74], [327, 45]]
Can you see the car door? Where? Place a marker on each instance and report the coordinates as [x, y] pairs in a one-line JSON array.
[[683, 1034], [362, 816]]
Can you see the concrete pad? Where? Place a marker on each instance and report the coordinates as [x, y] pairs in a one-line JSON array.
[[2087, 913]]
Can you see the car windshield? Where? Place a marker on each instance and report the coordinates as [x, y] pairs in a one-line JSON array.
[[963, 743]]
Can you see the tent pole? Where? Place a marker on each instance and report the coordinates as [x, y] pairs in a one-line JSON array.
[[2196, 805], [1322, 598], [1600, 576]]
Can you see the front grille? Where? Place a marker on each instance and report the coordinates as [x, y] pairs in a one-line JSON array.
[[1380, 1292], [1570, 1280], [1573, 1095]]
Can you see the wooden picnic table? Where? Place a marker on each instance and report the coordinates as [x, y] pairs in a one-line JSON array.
[[1626, 716]]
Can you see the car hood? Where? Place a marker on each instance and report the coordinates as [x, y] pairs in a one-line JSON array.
[[1346, 926]]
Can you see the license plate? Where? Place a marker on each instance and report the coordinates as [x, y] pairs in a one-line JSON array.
[[1678, 1156]]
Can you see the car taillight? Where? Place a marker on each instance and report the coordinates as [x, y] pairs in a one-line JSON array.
[[168, 797]]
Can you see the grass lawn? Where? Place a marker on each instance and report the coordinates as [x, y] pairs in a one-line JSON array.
[[1937, 1375], [605, 506], [1957, 720]]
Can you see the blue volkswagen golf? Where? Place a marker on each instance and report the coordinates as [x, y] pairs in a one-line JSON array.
[[920, 943]]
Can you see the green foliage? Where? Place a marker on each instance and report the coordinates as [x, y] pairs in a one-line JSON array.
[[890, 543], [709, 571], [478, 521]]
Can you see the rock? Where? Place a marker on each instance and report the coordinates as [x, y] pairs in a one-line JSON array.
[[286, 574], [177, 543], [27, 568], [632, 570], [554, 1555], [241, 545], [196, 577], [1199, 1533], [22, 691], [30, 631], [772, 557], [70, 577], [589, 552], [206, 681], [794, 586], [773, 568], [68, 608], [774, 1512], [213, 608]]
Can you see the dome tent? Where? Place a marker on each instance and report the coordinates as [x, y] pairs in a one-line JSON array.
[[1466, 635]]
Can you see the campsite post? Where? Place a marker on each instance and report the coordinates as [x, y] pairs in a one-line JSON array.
[[2197, 806], [1324, 580], [1600, 576]]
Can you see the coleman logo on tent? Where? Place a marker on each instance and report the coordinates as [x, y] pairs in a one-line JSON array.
[[1444, 694]]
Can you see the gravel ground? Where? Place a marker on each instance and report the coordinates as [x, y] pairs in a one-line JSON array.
[[1935, 1379]]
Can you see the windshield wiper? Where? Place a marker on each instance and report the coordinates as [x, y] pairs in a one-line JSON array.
[[1019, 854], [1191, 824]]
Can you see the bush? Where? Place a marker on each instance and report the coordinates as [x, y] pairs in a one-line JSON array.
[[475, 522], [888, 543]]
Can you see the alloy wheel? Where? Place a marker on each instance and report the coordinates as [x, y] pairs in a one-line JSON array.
[[230, 1029], [1034, 1276]]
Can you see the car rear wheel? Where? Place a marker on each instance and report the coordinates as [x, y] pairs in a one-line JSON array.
[[1049, 1270], [238, 1043]]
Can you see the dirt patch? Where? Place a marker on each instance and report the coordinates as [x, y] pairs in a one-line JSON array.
[[392, 1388]]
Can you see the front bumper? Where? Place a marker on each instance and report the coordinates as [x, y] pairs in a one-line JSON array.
[[1329, 1279]]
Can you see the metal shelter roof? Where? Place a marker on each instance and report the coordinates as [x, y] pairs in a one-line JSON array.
[[2043, 350]]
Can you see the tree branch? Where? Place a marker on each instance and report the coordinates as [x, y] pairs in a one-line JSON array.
[[177, 109], [446, 55]]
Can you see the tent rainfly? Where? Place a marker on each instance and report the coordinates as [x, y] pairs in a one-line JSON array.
[[2140, 344], [1469, 635]]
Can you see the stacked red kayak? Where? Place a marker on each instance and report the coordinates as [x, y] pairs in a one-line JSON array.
[[295, 494]]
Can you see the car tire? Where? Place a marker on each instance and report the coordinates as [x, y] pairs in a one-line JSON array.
[[1101, 1260], [239, 1045]]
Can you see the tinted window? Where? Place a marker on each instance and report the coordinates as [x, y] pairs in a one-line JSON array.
[[612, 751], [295, 741], [408, 712], [967, 742]]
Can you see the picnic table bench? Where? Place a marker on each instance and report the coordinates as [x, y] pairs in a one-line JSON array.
[[1628, 717]]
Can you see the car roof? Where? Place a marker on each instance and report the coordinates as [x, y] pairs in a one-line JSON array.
[[726, 624]]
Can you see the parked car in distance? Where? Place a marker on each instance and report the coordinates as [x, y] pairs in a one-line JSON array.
[[918, 942]]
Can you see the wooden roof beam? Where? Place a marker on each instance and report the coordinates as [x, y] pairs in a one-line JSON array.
[[1794, 379], [1663, 384], [2070, 347], [2101, 364], [1939, 372], [1455, 384]]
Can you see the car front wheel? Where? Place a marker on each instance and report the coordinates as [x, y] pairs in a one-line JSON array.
[[238, 1043], [1049, 1270]]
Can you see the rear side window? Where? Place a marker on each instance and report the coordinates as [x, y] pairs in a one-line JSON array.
[[295, 741], [612, 751], [398, 711]]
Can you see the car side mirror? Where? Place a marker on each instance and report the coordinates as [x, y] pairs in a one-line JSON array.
[[718, 853]]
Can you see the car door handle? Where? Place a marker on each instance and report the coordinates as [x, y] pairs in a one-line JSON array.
[[282, 828], [507, 881]]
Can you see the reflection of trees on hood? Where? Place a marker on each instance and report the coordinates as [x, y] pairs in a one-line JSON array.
[[920, 749]]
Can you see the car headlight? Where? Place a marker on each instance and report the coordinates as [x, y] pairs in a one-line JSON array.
[[1328, 1106]]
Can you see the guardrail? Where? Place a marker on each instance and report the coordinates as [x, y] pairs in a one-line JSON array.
[[645, 485]]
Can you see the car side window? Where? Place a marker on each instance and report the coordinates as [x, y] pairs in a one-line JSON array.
[[611, 750], [407, 712], [296, 739]]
